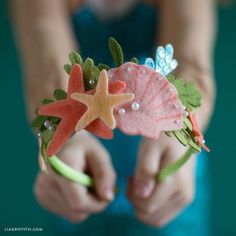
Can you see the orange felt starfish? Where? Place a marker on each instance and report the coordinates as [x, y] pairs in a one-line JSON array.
[[101, 104], [70, 111]]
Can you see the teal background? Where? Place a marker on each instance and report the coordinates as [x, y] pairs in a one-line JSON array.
[[19, 148]]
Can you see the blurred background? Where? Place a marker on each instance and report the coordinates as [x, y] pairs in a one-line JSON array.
[[19, 148]]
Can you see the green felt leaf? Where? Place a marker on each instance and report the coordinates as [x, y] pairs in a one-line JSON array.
[[134, 60], [59, 94], [88, 63], [75, 58], [47, 135], [116, 52], [38, 121], [182, 139], [187, 92], [67, 68], [103, 67], [172, 168], [55, 120], [47, 101], [187, 123], [93, 75]]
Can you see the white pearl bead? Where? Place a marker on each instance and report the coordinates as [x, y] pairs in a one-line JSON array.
[[39, 134], [121, 111], [129, 68], [135, 106], [50, 127], [47, 124], [91, 82], [203, 141], [186, 113]]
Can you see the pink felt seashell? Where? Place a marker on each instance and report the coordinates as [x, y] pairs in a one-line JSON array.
[[156, 106]]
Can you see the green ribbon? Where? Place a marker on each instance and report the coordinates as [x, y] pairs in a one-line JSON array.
[[172, 168], [70, 173], [85, 180]]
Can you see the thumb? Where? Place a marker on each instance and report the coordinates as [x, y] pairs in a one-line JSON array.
[[146, 168], [100, 165]]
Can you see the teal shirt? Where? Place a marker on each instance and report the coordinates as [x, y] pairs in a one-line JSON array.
[[136, 32]]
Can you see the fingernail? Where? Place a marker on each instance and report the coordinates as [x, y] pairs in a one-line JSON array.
[[108, 194], [142, 189]]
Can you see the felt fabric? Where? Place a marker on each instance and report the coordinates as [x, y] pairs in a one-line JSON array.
[[196, 131], [164, 62], [159, 106], [101, 104], [70, 111]]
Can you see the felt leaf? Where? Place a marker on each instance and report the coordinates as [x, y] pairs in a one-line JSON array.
[[159, 108], [134, 60], [88, 63], [93, 75], [67, 68], [103, 67], [188, 94], [59, 94], [75, 58], [38, 121], [116, 52], [47, 135], [182, 139], [47, 101]]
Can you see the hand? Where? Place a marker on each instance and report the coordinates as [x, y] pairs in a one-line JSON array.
[[71, 200], [157, 203]]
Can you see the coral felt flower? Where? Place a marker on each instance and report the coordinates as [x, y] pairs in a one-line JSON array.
[[70, 111]]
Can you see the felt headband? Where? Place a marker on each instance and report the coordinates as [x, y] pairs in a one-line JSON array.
[[137, 99]]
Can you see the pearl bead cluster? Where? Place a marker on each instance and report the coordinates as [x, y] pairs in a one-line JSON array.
[[134, 106], [48, 125]]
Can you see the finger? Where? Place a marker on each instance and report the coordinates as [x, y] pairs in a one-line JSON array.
[[49, 196], [162, 217], [146, 169], [159, 197], [103, 173]]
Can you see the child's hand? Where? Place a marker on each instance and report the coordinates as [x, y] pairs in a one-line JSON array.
[[157, 203], [70, 200]]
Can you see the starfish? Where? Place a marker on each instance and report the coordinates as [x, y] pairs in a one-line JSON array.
[[70, 111], [101, 104]]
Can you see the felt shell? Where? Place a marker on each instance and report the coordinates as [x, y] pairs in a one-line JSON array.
[[159, 106]]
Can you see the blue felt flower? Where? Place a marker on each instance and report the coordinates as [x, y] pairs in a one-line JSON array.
[[164, 60]]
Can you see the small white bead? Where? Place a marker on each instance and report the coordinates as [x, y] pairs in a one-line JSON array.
[[186, 113], [203, 141], [39, 134], [91, 82], [47, 124], [135, 106], [129, 68], [121, 111], [50, 127]]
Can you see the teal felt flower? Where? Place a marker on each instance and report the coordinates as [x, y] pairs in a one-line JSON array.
[[164, 63]]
